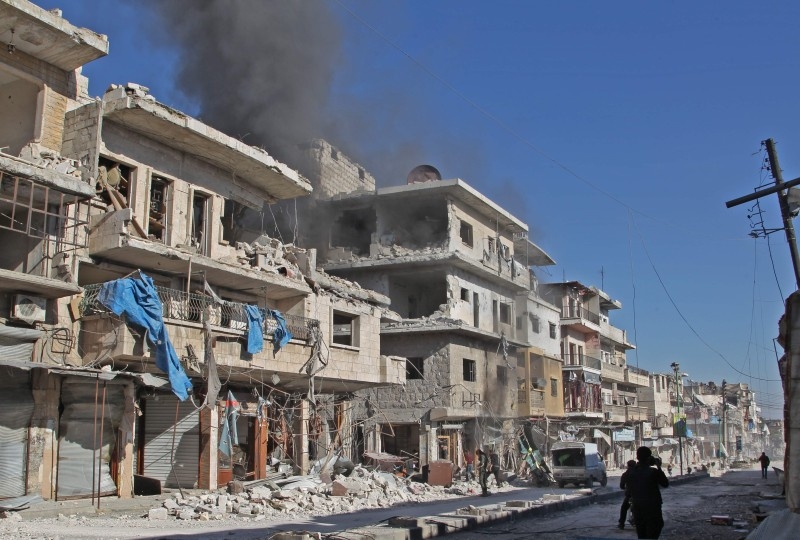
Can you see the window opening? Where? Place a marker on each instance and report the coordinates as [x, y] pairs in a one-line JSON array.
[[157, 211], [200, 210], [117, 177], [505, 313], [466, 233], [344, 326], [502, 376], [552, 331], [469, 370], [415, 368]]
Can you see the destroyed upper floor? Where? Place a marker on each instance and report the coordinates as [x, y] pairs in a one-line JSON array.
[[423, 225]]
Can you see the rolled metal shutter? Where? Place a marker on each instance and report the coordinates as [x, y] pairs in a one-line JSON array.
[[84, 451], [15, 419], [172, 456]]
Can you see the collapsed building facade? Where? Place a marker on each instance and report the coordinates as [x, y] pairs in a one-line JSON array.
[[455, 267], [120, 210]]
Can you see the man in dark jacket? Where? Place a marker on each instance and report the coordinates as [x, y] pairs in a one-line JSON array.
[[645, 482], [483, 470], [626, 502], [764, 460]]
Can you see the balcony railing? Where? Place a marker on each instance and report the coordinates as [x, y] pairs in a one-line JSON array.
[[581, 360], [639, 371], [580, 312], [178, 305]]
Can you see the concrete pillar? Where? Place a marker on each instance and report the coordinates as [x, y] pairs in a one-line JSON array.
[[43, 436], [209, 444], [125, 440]]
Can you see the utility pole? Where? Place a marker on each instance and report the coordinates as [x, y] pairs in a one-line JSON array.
[[723, 434], [779, 188], [681, 426]]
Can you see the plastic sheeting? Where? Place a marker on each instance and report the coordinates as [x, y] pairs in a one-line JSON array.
[[84, 450], [138, 300]]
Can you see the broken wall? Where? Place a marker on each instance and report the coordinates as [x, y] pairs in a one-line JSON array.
[[333, 173]]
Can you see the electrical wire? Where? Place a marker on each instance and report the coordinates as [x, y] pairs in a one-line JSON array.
[[685, 320]]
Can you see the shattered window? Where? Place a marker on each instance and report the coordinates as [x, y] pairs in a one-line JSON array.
[[200, 211], [113, 180], [344, 328], [505, 313], [466, 233], [415, 368], [469, 370], [157, 209]]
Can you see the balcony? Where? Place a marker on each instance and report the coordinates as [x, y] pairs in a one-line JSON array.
[[115, 239], [580, 317], [578, 360], [625, 413], [612, 372], [637, 376], [180, 306]]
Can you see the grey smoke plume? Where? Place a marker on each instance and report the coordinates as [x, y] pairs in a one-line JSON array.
[[260, 70], [263, 71]]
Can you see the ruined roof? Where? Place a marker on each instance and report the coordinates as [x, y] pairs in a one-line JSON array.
[[529, 254], [47, 36], [456, 188], [134, 108]]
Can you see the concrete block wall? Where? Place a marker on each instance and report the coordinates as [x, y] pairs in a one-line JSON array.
[[81, 137], [333, 173], [57, 88]]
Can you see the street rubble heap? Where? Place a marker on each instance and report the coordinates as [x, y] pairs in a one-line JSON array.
[[308, 496]]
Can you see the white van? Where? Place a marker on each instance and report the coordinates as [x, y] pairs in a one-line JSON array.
[[577, 463]]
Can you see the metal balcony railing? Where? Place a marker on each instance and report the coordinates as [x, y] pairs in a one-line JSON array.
[[579, 312], [581, 360], [178, 305], [638, 371]]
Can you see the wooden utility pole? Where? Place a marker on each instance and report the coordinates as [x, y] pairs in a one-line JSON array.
[[779, 188], [791, 334]]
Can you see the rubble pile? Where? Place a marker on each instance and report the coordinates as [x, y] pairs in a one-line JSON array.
[[301, 496]]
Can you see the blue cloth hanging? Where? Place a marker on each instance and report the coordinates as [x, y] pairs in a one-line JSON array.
[[255, 329], [138, 300], [281, 335]]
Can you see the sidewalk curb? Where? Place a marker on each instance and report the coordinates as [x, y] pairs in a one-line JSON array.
[[413, 528]]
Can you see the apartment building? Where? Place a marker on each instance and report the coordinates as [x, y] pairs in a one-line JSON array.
[[447, 258], [121, 214], [600, 388]]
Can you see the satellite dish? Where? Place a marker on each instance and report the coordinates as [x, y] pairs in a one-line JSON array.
[[423, 173]]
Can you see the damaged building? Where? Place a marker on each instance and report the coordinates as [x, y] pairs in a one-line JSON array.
[[601, 400], [453, 264], [151, 331]]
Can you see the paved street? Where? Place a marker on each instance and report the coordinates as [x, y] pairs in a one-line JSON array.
[[687, 509]]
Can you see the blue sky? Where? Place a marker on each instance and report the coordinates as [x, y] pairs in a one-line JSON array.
[[616, 130]]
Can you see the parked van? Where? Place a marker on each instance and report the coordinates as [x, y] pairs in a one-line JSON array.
[[577, 463]]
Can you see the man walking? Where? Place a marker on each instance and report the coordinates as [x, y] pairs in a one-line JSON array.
[[469, 461], [645, 482], [626, 502], [764, 460], [483, 470], [494, 464]]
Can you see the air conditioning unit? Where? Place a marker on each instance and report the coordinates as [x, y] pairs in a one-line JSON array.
[[28, 308]]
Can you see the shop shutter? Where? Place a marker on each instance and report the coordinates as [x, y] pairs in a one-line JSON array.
[[172, 456], [15, 419], [84, 451]]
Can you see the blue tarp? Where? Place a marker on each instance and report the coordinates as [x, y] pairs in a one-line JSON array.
[[138, 300], [255, 329], [281, 336]]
